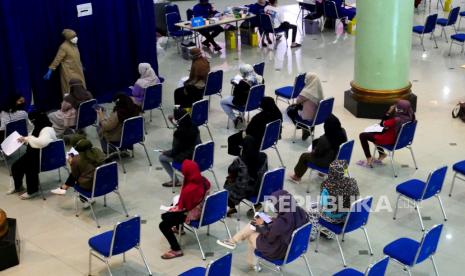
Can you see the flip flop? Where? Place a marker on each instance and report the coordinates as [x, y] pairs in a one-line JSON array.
[[171, 255], [363, 163]]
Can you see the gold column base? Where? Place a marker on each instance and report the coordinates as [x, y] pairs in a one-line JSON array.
[[379, 96]]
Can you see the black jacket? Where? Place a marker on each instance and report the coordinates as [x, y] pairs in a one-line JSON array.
[[184, 141]]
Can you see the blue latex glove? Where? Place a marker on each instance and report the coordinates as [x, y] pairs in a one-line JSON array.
[[48, 75]]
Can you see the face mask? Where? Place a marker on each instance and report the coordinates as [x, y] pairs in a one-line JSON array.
[[74, 40]]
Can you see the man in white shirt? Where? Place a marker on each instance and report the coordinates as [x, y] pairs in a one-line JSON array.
[[279, 24]]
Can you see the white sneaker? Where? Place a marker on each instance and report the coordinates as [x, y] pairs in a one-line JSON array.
[[86, 205], [227, 243], [11, 191], [28, 196], [58, 191]]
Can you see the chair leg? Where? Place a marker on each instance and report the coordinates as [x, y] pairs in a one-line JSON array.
[[209, 132], [121, 160], [216, 179], [108, 266], [391, 155], [124, 257], [421, 41], [434, 266], [227, 228], [122, 202], [90, 262], [279, 155], [147, 154], [419, 216], [450, 48], [413, 157], [174, 181], [200, 246], [164, 117], [318, 238], [340, 250], [144, 259], [41, 192], [150, 115], [105, 201], [435, 42], [295, 134], [408, 270], [442, 207], [453, 183], [365, 231], [59, 175], [76, 195], [93, 214], [308, 265]]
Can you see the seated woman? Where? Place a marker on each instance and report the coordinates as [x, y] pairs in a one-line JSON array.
[[279, 24], [189, 207], [147, 78], [13, 112], [307, 102], [240, 92], [256, 128], [194, 86], [324, 149], [65, 117], [28, 164], [245, 173], [271, 240], [110, 128], [395, 117], [185, 138], [206, 10]]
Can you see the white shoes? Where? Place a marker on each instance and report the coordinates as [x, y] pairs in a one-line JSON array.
[[28, 196], [227, 243], [58, 191]]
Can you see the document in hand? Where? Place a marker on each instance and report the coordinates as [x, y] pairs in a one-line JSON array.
[[374, 128], [11, 143]]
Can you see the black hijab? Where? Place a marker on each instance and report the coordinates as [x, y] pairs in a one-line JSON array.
[[272, 111], [250, 155], [39, 120], [334, 132]]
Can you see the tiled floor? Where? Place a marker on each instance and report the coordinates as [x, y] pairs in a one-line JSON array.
[[54, 241]]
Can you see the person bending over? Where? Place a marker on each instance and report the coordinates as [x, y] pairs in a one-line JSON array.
[[277, 18], [205, 9]]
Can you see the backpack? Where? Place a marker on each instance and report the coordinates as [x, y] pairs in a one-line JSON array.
[[459, 111]]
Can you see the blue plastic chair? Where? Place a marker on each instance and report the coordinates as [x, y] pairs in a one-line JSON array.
[[272, 181], [404, 140], [428, 28], [199, 114], [418, 191], [408, 252], [132, 134], [331, 11], [449, 21], [259, 68], [214, 84], [124, 237], [254, 99], [266, 25], [19, 126], [221, 266], [462, 14], [298, 246], [357, 218], [214, 210], [86, 115], [105, 182], [153, 100], [52, 157], [289, 93], [376, 269], [271, 137], [459, 39], [459, 168], [174, 31], [325, 108]]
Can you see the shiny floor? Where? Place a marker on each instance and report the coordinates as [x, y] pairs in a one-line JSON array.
[[54, 241]]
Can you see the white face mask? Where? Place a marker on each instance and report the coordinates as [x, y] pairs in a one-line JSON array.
[[74, 40]]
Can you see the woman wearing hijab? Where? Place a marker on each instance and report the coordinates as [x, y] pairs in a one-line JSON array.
[[324, 149], [256, 128], [147, 78], [185, 138], [396, 116], [110, 128], [245, 173], [240, 92], [13, 112], [307, 102], [65, 117], [28, 164], [271, 240], [189, 207]]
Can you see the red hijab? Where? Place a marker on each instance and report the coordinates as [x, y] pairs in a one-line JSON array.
[[195, 186]]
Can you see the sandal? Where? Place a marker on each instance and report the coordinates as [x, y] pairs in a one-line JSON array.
[[171, 255], [364, 163]]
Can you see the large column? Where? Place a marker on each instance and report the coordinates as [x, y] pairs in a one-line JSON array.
[[382, 57]]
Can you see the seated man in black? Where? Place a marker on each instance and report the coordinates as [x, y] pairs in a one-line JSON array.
[[206, 10]]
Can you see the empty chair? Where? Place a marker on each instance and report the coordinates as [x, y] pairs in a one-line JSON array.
[[459, 39], [459, 168], [298, 246], [214, 84], [199, 114], [356, 218], [259, 68], [325, 108], [376, 269], [214, 210], [417, 191], [131, 134], [124, 237], [450, 21], [254, 100], [105, 182], [271, 138], [428, 28], [53, 157], [409, 252], [289, 93], [174, 31], [267, 26], [220, 266], [153, 100], [86, 115]]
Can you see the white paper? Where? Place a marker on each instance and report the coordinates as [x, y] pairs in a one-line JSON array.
[[72, 151], [236, 79], [374, 128], [310, 148], [11, 144], [84, 9], [165, 208], [175, 200], [263, 216]]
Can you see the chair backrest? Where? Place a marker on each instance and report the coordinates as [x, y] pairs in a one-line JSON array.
[[271, 135], [133, 132], [453, 16], [214, 208], [19, 126], [204, 155], [430, 24], [221, 266], [189, 14], [53, 156], [330, 9], [434, 183], [254, 99], [171, 19], [272, 181], [358, 214], [406, 135], [86, 115], [214, 83], [429, 244], [171, 8], [345, 151], [378, 268], [299, 84], [126, 235], [325, 108], [152, 97], [299, 242], [259, 68], [105, 179], [199, 112], [266, 23]]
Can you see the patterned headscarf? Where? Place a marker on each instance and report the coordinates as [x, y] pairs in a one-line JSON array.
[[337, 184]]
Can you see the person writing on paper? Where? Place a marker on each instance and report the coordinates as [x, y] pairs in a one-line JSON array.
[[14, 111], [271, 239], [206, 10], [279, 24], [395, 117], [324, 149], [189, 207], [147, 78], [307, 102], [28, 164]]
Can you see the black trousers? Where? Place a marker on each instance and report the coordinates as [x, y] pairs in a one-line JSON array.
[[168, 220], [211, 33], [285, 27], [364, 138], [25, 166]]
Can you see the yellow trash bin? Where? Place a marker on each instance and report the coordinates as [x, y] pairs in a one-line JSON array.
[[230, 38], [447, 5], [351, 26], [254, 39]]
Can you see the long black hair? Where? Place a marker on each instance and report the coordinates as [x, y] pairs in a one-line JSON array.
[[125, 107], [40, 120]]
